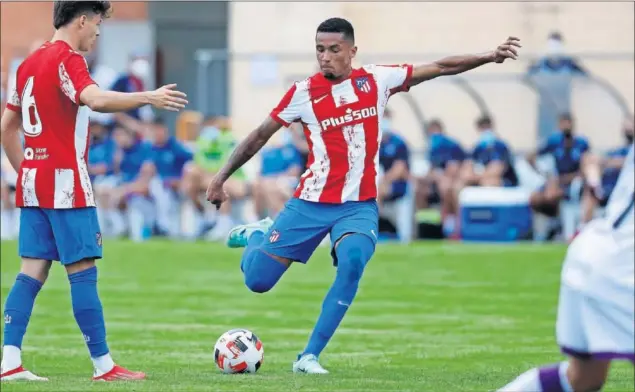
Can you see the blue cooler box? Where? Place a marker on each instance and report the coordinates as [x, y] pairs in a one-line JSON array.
[[495, 214]]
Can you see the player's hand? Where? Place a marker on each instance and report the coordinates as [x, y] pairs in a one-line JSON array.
[[508, 50], [167, 98], [215, 193]]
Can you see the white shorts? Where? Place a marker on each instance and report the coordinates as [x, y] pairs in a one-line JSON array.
[[593, 328]]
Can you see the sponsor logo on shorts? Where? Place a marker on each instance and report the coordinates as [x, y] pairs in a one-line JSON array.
[[98, 238], [275, 235]]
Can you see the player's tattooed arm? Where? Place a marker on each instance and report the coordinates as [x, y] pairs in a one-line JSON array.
[[10, 126], [249, 147], [454, 65], [241, 155]]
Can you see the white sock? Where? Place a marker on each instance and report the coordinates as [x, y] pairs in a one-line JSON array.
[[11, 358], [103, 364]]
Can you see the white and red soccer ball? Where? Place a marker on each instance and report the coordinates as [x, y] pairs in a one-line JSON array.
[[238, 351]]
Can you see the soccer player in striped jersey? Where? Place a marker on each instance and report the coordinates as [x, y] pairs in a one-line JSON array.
[[596, 311], [341, 110], [58, 221]]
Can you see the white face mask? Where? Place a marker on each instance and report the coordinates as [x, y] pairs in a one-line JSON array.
[[487, 136], [555, 47], [386, 124], [210, 133], [140, 68]]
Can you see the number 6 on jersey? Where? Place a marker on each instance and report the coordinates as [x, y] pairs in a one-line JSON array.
[[30, 117]]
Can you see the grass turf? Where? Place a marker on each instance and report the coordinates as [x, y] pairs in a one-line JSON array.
[[429, 317]]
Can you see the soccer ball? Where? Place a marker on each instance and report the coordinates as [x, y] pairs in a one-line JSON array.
[[238, 351]]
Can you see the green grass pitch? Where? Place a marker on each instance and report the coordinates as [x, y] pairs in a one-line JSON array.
[[444, 317]]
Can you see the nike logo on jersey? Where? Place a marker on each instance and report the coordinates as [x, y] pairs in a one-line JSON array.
[[373, 233], [318, 100]]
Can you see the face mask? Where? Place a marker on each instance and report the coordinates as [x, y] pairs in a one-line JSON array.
[[567, 132], [487, 136], [386, 124], [554, 48], [140, 68], [210, 133], [435, 140]]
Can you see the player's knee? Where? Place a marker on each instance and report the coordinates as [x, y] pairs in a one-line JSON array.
[[190, 177], [258, 284], [353, 252], [263, 272], [190, 170], [36, 269], [491, 180], [81, 265], [353, 267]]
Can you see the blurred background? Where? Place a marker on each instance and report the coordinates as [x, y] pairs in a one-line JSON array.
[[498, 154]]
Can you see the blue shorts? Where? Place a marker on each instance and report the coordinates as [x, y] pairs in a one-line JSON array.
[[67, 235], [302, 225]]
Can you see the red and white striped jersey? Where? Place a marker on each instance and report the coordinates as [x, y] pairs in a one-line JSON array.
[[341, 124], [53, 173]]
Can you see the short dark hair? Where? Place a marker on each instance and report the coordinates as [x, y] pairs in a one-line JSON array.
[[435, 122], [157, 121], [338, 25], [566, 116], [64, 12], [484, 122], [555, 35]]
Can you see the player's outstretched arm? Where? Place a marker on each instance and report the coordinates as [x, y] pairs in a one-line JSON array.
[[245, 150], [10, 136], [458, 64], [166, 98]]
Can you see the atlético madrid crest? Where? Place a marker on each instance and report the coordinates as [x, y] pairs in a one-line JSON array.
[[274, 236], [363, 84]]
